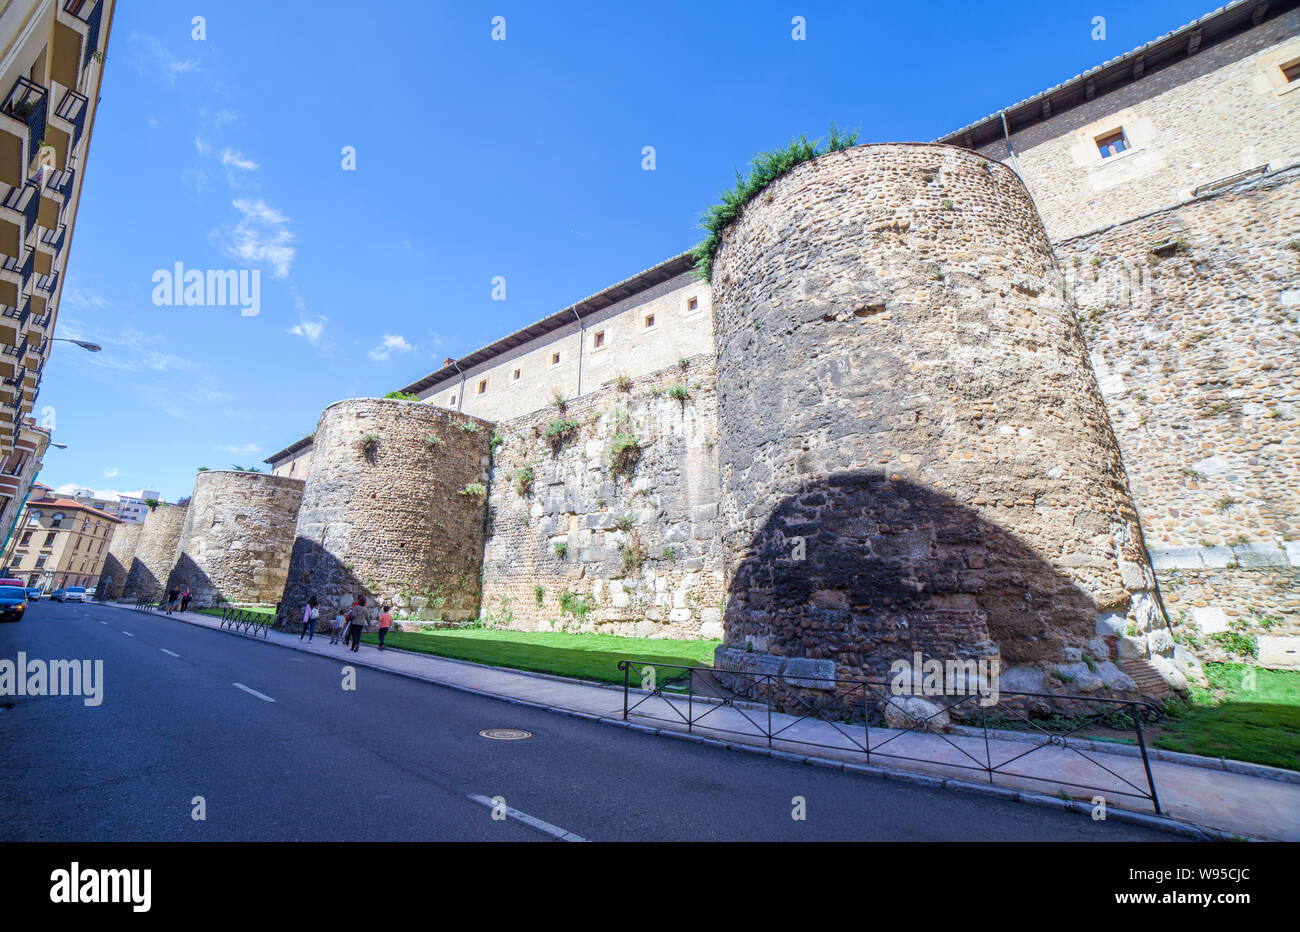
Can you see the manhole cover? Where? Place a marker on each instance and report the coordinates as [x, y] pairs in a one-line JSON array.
[[505, 734]]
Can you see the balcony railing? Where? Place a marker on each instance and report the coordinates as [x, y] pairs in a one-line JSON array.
[[60, 181], [72, 109], [41, 321], [47, 283], [18, 315], [25, 200], [27, 102], [54, 238]]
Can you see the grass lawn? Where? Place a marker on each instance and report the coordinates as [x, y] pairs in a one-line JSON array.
[[1261, 725], [586, 656]]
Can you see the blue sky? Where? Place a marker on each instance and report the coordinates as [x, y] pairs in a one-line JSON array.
[[474, 158]]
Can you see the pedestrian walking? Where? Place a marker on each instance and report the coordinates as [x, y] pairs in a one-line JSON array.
[[385, 622], [310, 615], [356, 622], [186, 598], [337, 627], [172, 597]]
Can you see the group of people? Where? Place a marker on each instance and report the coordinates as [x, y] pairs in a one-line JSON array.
[[347, 626], [178, 597]]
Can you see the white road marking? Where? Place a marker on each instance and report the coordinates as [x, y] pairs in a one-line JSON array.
[[168, 652], [254, 692], [103, 622], [525, 818], [128, 634]]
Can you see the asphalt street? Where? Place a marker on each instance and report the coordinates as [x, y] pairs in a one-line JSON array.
[[279, 750]]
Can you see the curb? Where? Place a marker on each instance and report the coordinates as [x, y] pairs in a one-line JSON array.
[[1146, 820]]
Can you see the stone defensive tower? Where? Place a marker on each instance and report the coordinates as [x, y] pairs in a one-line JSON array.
[[238, 537], [155, 552], [121, 551], [915, 454], [394, 506]]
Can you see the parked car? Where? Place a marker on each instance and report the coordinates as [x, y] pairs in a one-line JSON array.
[[34, 594], [13, 602], [70, 594]]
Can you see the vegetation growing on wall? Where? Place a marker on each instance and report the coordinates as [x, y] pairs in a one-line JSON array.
[[403, 396], [524, 477], [765, 168], [560, 431], [624, 454]]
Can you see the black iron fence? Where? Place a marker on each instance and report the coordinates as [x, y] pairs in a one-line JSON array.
[[243, 621], [969, 731], [147, 604]]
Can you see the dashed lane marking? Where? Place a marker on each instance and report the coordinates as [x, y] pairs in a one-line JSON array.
[[254, 692], [553, 830]]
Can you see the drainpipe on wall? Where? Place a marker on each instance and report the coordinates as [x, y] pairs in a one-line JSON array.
[[580, 342], [460, 393], [1006, 134]]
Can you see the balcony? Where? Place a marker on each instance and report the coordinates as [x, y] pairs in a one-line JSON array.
[[53, 239], [89, 12], [72, 111], [38, 324], [12, 322], [47, 284], [27, 104], [11, 361], [25, 202]]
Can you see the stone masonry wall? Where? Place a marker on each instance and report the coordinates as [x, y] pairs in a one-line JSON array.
[[121, 551], [155, 552], [641, 549], [400, 519], [1196, 347], [238, 537], [915, 455]]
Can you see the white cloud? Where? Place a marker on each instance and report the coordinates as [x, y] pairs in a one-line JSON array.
[[233, 158], [84, 299], [310, 330], [202, 146], [110, 473], [162, 59], [247, 448], [261, 237], [392, 343]]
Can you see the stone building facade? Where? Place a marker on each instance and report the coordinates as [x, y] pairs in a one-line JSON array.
[[394, 506], [117, 565], [155, 552], [237, 538], [585, 538]]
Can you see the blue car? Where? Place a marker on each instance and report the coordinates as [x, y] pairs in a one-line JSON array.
[[34, 594], [13, 602]]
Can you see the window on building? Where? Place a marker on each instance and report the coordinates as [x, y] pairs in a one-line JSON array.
[[452, 403], [598, 339], [57, 520], [555, 359], [514, 376], [1112, 143], [49, 539], [40, 561], [649, 321], [692, 305], [34, 518], [482, 386], [1291, 70]]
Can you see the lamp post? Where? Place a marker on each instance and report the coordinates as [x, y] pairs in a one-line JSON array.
[[84, 344]]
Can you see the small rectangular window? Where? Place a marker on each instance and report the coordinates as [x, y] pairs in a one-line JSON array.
[[692, 305], [649, 321], [1112, 143], [599, 339], [452, 403], [514, 376], [1291, 71], [482, 386], [555, 359]]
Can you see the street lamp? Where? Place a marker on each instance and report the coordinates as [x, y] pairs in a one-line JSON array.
[[84, 344]]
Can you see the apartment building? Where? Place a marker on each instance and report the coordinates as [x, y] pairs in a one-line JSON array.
[[60, 543], [18, 471], [51, 68], [128, 507]]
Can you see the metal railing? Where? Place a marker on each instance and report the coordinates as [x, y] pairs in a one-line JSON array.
[[147, 604], [242, 621], [26, 200], [772, 706], [72, 109]]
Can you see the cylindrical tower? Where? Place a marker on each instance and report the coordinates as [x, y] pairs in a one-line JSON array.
[[238, 537], [121, 551], [394, 506], [155, 552], [915, 454]]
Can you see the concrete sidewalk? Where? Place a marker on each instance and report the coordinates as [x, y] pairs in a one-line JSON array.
[[1246, 800]]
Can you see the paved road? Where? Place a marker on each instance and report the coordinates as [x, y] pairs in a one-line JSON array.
[[399, 759]]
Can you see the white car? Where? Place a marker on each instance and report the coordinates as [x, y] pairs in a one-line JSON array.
[[71, 594]]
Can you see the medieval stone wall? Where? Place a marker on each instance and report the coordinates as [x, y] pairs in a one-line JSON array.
[[117, 565], [1192, 317], [394, 506], [578, 542], [155, 552], [237, 538], [915, 454]]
